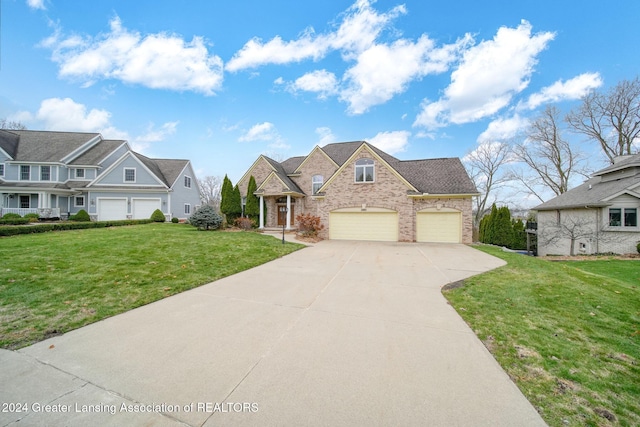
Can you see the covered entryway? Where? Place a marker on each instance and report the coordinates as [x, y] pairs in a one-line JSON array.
[[143, 208], [112, 209], [373, 224], [442, 225]]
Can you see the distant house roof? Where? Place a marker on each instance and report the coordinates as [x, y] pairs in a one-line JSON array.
[[53, 147], [596, 191], [48, 146]]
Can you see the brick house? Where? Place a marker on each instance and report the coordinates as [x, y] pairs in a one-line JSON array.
[[599, 216], [362, 193]]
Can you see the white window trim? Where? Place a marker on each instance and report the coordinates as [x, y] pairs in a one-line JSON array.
[[187, 177], [20, 201], [84, 173], [187, 208], [41, 169], [1, 169], [315, 182], [124, 175], [364, 175], [623, 226], [29, 178], [75, 201]]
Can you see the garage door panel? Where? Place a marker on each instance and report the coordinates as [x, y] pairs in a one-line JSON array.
[[373, 226], [143, 208], [112, 209], [439, 227]]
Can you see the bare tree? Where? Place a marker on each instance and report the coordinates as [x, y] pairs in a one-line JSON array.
[[11, 125], [612, 118], [210, 189], [484, 166], [572, 228], [550, 159]]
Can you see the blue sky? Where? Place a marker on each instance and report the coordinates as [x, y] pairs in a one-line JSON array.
[[221, 82]]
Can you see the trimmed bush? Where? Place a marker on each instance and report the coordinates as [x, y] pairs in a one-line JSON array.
[[175, 220], [11, 216], [14, 221], [81, 216], [158, 216], [244, 223], [32, 217], [63, 226], [206, 218], [309, 225]]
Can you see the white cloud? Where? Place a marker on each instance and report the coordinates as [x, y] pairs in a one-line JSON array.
[[260, 132], [36, 4], [391, 142], [488, 77], [574, 88], [503, 129], [64, 114], [360, 26], [68, 115], [158, 61], [385, 70], [325, 135], [321, 82], [141, 143]]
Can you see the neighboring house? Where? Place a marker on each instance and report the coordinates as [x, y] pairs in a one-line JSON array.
[[362, 193], [599, 216], [56, 174]]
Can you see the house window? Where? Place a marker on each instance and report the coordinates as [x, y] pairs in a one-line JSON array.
[[79, 201], [129, 175], [45, 173], [25, 172], [187, 209], [25, 202], [615, 217], [79, 173], [627, 217], [187, 181], [1, 169], [364, 170], [630, 217], [316, 183]]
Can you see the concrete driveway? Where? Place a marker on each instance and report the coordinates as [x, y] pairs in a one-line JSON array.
[[341, 333]]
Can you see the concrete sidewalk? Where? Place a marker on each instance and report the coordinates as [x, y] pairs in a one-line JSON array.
[[341, 333]]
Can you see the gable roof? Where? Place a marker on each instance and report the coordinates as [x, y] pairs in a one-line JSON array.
[[437, 176], [596, 192], [46, 146], [170, 169], [97, 153], [9, 142]]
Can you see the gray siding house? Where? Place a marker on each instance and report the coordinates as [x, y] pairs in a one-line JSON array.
[[599, 216], [56, 174]]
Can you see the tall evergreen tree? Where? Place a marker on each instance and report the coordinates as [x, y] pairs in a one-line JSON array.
[[236, 204], [226, 195], [252, 207], [503, 229]]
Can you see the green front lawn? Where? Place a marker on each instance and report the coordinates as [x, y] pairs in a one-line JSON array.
[[568, 334], [54, 282]]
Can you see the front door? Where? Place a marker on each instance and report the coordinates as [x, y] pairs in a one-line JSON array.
[[282, 215]]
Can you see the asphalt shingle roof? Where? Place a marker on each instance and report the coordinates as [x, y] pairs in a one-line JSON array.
[[48, 146], [429, 176], [594, 191]]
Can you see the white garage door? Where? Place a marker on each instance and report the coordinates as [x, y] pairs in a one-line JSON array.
[[439, 227], [112, 209], [143, 208], [377, 226]]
